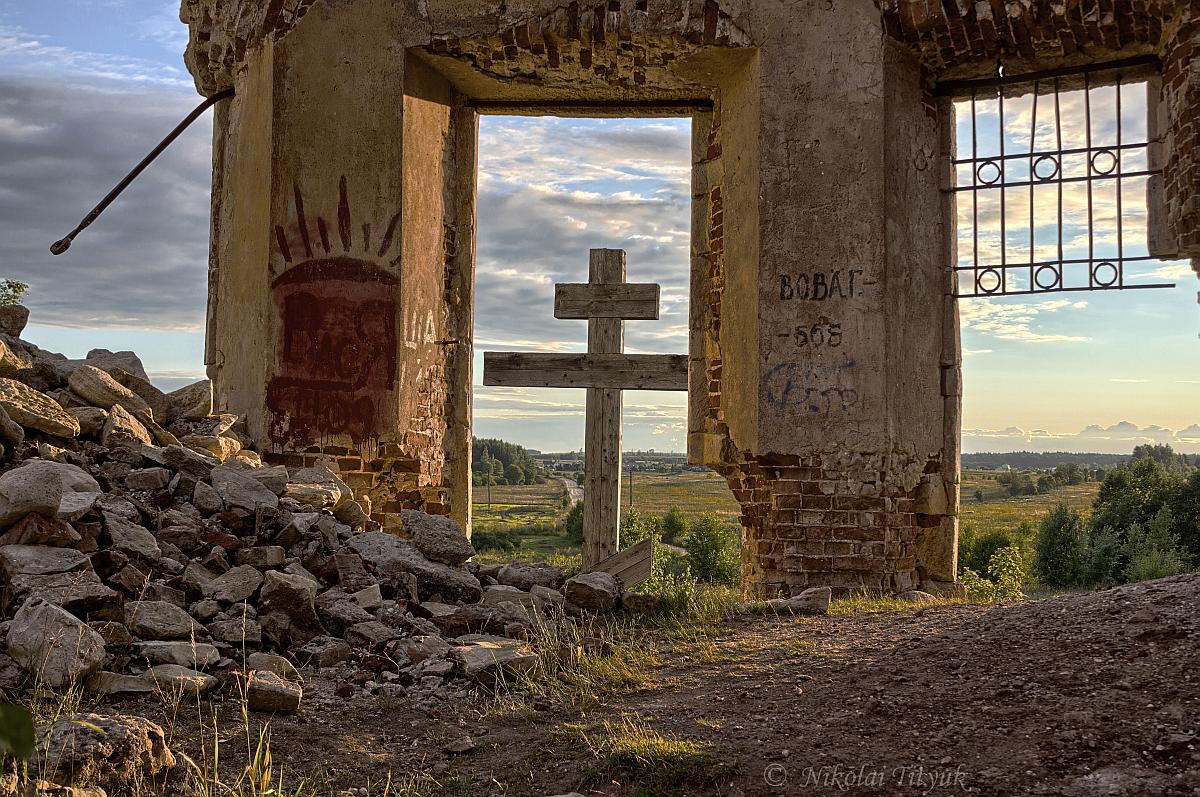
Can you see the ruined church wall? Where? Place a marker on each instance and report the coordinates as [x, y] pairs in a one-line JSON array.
[[850, 439], [825, 363]]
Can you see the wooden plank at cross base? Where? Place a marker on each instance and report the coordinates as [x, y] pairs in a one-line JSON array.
[[630, 301], [609, 371], [631, 565]]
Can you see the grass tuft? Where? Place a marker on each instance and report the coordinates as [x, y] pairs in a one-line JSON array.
[[579, 662], [646, 762]]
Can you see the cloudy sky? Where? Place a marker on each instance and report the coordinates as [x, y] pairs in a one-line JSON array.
[[88, 86]]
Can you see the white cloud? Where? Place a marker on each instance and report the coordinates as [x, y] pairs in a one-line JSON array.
[[181, 373], [144, 263], [1174, 271], [1016, 321], [1117, 438], [551, 189], [26, 53], [164, 28]]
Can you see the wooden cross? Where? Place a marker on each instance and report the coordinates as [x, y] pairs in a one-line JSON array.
[[606, 301]]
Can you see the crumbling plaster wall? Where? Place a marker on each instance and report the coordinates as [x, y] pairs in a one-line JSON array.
[[332, 323], [824, 349]]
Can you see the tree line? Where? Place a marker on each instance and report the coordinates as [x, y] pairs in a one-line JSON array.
[[1039, 460], [497, 462], [1144, 524], [1017, 483]]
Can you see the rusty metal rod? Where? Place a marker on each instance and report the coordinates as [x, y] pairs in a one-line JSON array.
[[60, 246]]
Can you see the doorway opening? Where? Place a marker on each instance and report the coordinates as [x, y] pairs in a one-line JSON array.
[[549, 190]]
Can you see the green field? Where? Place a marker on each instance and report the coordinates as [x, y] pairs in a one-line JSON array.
[[999, 512], [535, 509], [532, 509], [695, 493], [518, 506]]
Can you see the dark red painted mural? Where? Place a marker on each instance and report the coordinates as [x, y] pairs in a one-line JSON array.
[[337, 347]]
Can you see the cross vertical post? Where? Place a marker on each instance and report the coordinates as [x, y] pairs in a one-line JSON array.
[[602, 435]]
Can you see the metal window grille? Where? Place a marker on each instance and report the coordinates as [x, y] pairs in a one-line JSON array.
[[1065, 210]]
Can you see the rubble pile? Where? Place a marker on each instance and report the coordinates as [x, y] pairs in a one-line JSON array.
[[144, 545]]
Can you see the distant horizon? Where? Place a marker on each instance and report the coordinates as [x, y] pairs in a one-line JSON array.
[[1045, 452]]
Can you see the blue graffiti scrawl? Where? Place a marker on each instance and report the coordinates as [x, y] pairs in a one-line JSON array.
[[818, 390]]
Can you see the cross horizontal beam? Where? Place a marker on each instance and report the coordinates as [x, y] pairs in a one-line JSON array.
[[628, 300], [614, 371]]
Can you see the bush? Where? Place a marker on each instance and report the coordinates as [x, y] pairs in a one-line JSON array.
[[494, 539], [636, 526], [676, 589], [1059, 549], [976, 586], [979, 554], [11, 291], [1154, 563], [674, 526], [1185, 506], [1009, 572], [1152, 551], [670, 578], [572, 525], [1102, 557], [1134, 493], [714, 551]]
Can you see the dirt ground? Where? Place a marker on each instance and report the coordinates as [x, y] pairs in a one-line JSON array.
[[1083, 694]]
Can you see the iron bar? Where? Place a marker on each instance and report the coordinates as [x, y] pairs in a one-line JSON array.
[[62, 245], [1050, 153], [974, 182], [1120, 185], [1058, 173], [1078, 289], [1032, 189], [1093, 178], [1003, 200], [1087, 115]]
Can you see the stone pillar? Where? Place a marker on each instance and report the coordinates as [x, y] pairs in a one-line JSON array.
[[339, 307], [847, 468]]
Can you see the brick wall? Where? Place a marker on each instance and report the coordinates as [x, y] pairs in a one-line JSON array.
[[970, 36], [845, 520], [1181, 97], [404, 474]]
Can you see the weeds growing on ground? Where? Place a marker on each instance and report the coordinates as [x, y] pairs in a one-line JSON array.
[[646, 762], [578, 662]]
